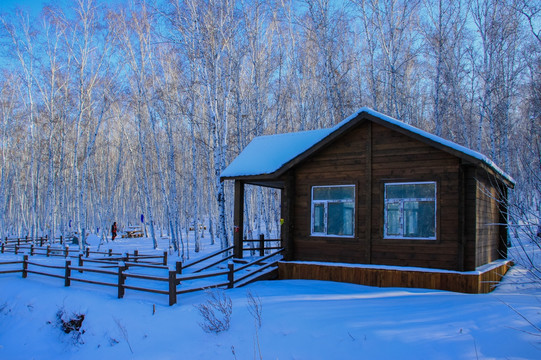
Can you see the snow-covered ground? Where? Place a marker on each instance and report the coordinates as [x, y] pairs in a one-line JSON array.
[[300, 320]]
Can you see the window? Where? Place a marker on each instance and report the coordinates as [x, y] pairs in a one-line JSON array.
[[410, 210], [333, 210]]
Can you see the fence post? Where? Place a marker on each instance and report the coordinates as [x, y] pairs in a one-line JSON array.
[[135, 255], [19, 241], [41, 241], [67, 275], [110, 252], [87, 251], [25, 266], [31, 249], [48, 250], [121, 278], [61, 240], [178, 267], [3, 248], [172, 287], [165, 257], [67, 251], [80, 262], [231, 275], [16, 249], [261, 245]]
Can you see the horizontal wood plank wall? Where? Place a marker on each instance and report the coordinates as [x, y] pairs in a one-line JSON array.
[[399, 158], [395, 158], [470, 220], [488, 216], [467, 282], [343, 162]]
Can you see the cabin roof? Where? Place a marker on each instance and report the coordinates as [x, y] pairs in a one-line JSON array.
[[270, 156]]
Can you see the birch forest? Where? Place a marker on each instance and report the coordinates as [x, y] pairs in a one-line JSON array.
[[113, 111]]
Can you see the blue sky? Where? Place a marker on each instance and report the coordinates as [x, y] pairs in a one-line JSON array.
[[33, 6]]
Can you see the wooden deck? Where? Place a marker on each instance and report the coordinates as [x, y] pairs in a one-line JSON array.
[[482, 280]]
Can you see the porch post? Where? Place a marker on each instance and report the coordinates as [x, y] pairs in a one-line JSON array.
[[287, 213], [238, 219]]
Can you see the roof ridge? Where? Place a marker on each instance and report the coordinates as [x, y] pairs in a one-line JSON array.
[[307, 139]]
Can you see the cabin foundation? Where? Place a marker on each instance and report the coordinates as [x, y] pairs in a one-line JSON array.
[[481, 281]]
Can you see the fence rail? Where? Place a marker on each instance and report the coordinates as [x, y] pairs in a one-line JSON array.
[[39, 240], [173, 279], [261, 248], [66, 252], [214, 254]]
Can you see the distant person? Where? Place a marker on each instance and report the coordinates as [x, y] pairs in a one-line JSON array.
[[113, 230]]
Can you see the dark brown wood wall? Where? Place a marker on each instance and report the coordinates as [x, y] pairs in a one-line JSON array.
[[341, 163], [468, 282], [399, 158], [470, 221], [395, 158], [488, 228]]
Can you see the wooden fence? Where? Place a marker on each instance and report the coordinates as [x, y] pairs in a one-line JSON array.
[[260, 245], [50, 251], [117, 269], [27, 240]]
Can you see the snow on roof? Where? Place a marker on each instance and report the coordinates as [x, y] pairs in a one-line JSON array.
[[267, 154], [437, 139]]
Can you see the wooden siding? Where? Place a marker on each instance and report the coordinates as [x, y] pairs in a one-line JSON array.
[[392, 157], [488, 228], [342, 163], [475, 282], [399, 158], [469, 221]]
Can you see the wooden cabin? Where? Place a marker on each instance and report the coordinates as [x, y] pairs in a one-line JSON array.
[[376, 201]]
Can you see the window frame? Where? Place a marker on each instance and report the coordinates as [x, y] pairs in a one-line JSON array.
[[325, 203], [401, 202]]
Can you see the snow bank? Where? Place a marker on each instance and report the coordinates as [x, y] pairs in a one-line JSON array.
[[300, 320]]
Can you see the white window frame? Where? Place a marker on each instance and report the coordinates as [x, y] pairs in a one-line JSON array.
[[401, 202], [326, 206]]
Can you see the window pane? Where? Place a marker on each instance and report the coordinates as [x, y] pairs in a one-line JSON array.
[[411, 191], [419, 219], [340, 219], [319, 218], [427, 219], [348, 219], [393, 219], [334, 193], [410, 218]]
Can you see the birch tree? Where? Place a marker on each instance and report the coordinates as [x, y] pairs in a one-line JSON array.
[[498, 31], [22, 39], [89, 49], [391, 22], [134, 34], [52, 83], [216, 28], [7, 137]]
